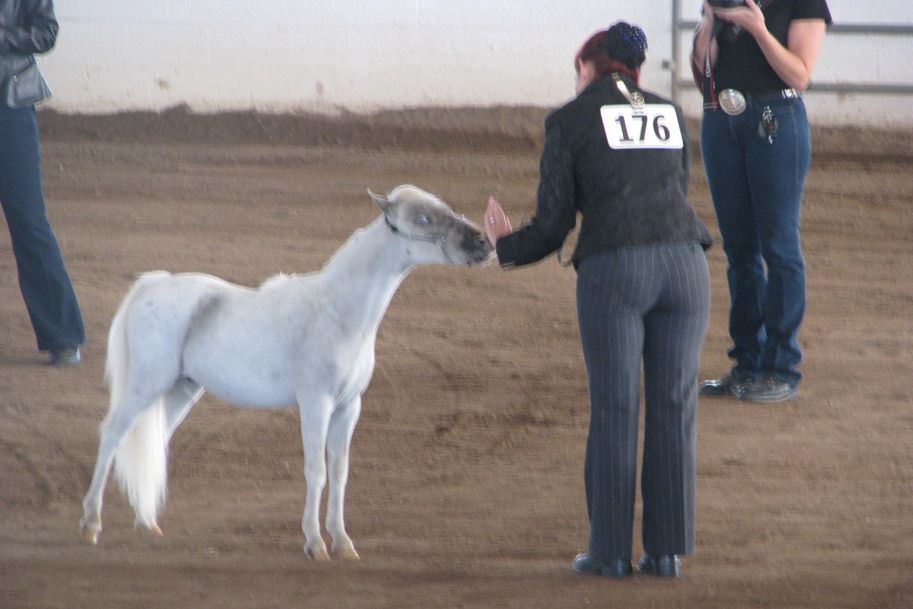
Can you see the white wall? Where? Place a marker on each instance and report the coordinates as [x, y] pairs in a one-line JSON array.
[[326, 55]]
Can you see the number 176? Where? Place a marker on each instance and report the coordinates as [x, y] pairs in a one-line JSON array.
[[659, 129]]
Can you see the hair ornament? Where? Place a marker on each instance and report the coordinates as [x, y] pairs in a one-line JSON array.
[[626, 43]]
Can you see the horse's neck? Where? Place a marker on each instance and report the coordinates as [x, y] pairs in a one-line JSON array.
[[363, 275]]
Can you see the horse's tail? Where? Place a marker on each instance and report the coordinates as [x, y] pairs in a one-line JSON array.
[[140, 461], [140, 465]]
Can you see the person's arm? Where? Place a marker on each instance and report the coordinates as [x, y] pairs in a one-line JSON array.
[[555, 210], [702, 43], [37, 35], [793, 63]]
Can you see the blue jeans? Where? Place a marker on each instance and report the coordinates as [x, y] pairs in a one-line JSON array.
[[44, 282], [757, 185]]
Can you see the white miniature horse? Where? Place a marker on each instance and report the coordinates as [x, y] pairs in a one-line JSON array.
[[305, 339]]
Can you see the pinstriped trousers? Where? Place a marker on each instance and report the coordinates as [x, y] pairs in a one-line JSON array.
[[642, 304]]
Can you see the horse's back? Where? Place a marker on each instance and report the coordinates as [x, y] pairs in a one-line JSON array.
[[180, 290]]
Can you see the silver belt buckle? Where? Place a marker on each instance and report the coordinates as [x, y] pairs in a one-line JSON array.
[[732, 102]]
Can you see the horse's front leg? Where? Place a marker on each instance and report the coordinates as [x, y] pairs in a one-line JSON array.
[[342, 425], [315, 419]]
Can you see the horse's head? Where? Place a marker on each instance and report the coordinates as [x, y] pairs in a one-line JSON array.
[[439, 235]]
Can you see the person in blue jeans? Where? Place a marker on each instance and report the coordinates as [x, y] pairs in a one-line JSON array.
[[28, 27], [752, 62]]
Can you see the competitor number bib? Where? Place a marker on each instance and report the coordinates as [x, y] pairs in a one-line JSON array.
[[653, 126]]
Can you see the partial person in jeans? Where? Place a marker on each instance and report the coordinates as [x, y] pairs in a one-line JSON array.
[[28, 27], [752, 62], [619, 156]]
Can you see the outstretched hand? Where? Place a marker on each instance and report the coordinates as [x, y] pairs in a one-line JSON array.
[[495, 221]]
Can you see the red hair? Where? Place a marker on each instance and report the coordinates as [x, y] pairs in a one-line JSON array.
[[594, 51]]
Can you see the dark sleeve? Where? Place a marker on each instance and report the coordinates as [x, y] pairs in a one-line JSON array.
[[36, 35], [812, 9], [555, 211]]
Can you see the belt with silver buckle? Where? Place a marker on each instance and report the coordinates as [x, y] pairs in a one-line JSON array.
[[733, 102]]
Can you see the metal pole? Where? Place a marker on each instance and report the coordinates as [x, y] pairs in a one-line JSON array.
[[851, 29], [676, 48], [879, 29], [840, 87]]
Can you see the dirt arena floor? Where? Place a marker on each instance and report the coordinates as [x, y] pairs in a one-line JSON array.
[[466, 480]]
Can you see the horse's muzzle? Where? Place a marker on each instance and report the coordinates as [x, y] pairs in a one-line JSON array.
[[477, 248]]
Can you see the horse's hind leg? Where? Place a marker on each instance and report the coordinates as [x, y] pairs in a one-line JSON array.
[[178, 402], [115, 426], [339, 438]]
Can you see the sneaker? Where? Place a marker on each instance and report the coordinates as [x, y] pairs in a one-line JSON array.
[[733, 383], [64, 357], [769, 389]]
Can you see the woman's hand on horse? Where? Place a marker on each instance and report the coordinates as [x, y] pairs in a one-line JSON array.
[[496, 222]]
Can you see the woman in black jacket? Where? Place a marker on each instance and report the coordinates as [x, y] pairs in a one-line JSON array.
[[620, 157], [28, 27]]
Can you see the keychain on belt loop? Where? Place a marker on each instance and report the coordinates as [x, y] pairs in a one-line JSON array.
[[768, 125]]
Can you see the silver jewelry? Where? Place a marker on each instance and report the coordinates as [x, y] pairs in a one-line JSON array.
[[732, 102], [636, 99]]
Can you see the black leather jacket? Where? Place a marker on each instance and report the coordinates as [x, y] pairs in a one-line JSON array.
[[626, 198], [27, 27]]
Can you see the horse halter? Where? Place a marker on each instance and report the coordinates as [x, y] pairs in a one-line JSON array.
[[439, 241]]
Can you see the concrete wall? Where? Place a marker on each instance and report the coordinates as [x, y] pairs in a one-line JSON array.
[[327, 55]]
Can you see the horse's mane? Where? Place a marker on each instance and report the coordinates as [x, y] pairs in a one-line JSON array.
[[275, 280]]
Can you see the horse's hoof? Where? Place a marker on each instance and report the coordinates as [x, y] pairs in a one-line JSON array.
[[317, 553], [90, 533], [153, 528], [348, 553]]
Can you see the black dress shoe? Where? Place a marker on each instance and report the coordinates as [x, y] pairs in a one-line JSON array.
[[610, 568], [660, 565]]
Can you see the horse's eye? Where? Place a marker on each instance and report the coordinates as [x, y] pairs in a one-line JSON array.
[[423, 220]]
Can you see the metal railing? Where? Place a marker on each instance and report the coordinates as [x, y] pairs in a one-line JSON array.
[[682, 25]]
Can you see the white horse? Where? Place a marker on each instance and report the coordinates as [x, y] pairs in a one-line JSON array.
[[305, 339]]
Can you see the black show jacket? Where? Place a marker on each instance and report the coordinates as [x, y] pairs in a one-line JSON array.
[[626, 198]]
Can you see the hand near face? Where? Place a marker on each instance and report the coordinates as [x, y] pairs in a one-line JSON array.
[[495, 222], [748, 17]]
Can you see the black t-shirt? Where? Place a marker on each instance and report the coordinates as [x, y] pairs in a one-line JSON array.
[[741, 64]]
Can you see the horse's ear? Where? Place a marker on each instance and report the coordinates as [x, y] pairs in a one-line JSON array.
[[381, 201]]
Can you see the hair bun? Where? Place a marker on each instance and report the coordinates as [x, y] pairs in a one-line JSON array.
[[627, 43]]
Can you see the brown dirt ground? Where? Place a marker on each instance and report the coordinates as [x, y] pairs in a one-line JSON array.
[[466, 482]]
